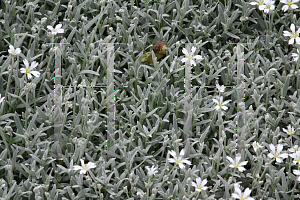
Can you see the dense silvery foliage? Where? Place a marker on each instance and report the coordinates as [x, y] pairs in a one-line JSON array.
[[235, 63]]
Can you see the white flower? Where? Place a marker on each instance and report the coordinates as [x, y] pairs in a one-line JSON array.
[[296, 55], [29, 70], [152, 170], [14, 51], [1, 99], [221, 103], [260, 4], [190, 56], [290, 130], [256, 145], [56, 30], [220, 88], [293, 35], [289, 4], [178, 159], [294, 149], [268, 5], [84, 167], [296, 157], [242, 195], [276, 154], [236, 164], [199, 185], [297, 172]]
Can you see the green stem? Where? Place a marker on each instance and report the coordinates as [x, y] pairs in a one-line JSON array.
[[26, 112], [74, 107], [298, 77], [45, 75], [34, 100], [51, 55], [8, 83], [267, 93], [26, 20], [265, 191], [288, 179], [262, 175]]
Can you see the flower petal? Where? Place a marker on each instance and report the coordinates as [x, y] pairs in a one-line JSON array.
[[193, 50], [58, 26], [293, 28], [185, 52], [36, 73], [50, 28], [26, 63]]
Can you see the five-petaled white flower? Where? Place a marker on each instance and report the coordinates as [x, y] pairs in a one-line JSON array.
[[14, 51], [290, 130], [221, 104], [297, 172], [199, 185], [84, 167], [152, 170], [241, 195], [236, 164], [190, 56], [29, 70], [256, 145], [220, 88], [293, 35], [296, 55], [178, 159], [56, 30], [289, 4], [268, 5], [260, 4], [296, 157], [276, 154], [1, 99]]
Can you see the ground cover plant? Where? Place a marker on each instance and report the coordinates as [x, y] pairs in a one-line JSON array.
[[211, 113]]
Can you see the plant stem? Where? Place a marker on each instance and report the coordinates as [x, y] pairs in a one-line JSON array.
[[8, 83], [26, 20], [26, 90], [288, 179], [297, 77], [45, 75]]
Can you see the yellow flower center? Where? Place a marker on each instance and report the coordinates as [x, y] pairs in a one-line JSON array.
[[236, 165], [242, 198], [14, 52], [178, 161], [290, 132], [289, 3], [261, 3], [28, 71], [199, 187], [220, 104], [191, 57], [54, 30], [298, 160], [275, 155], [295, 35], [268, 6], [85, 168]]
